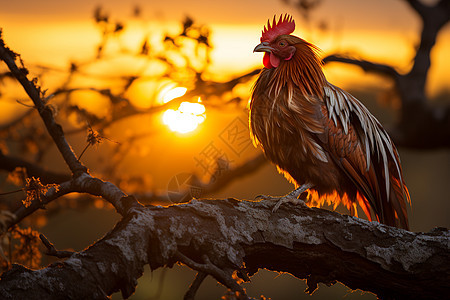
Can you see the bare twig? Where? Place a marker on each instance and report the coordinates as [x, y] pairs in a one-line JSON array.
[[50, 195], [51, 250], [227, 177], [193, 288], [223, 275], [54, 129], [221, 181]]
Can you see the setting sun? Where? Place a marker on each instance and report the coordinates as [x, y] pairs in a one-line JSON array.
[[188, 115], [186, 118], [170, 92]]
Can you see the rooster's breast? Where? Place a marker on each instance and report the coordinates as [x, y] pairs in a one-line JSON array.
[[289, 128]]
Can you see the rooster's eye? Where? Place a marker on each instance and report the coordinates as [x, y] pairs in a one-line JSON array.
[[281, 44]]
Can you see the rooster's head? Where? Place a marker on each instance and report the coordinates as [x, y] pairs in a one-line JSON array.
[[276, 41]]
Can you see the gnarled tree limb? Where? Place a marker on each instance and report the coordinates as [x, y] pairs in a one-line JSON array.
[[219, 236]]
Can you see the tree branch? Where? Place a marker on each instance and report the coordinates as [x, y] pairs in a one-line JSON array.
[[81, 184], [10, 163], [418, 6], [55, 130], [82, 181], [221, 180], [51, 250], [367, 66], [420, 125], [433, 19], [190, 294], [219, 236]]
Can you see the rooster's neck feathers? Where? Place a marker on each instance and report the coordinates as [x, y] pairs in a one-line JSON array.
[[302, 71]]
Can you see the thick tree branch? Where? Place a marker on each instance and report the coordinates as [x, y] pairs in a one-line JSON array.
[[219, 236]]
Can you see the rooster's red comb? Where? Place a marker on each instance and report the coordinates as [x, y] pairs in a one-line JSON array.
[[284, 25]]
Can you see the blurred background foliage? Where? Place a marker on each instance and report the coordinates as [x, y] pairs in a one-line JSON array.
[[126, 104]]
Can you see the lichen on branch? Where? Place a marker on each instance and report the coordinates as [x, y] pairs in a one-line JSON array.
[[224, 238]]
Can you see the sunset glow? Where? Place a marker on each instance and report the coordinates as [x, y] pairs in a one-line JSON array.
[[188, 115], [186, 118], [171, 92], [116, 92]]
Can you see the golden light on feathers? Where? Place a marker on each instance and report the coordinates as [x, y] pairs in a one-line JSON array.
[[320, 136]]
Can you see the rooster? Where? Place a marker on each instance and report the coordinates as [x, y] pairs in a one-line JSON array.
[[321, 137]]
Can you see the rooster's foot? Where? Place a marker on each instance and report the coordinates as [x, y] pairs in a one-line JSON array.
[[292, 197]]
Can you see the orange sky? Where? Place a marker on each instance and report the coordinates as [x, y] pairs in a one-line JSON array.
[[385, 30], [381, 14]]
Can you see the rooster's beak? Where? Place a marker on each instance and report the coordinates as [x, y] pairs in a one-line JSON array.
[[263, 47]]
